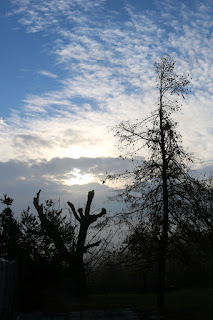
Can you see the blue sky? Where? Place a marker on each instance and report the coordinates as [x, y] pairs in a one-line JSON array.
[[70, 69], [25, 53]]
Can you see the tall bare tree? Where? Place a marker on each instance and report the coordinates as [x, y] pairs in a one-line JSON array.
[[156, 185]]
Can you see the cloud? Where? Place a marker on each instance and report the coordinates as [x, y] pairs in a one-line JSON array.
[[30, 141], [47, 74], [37, 16], [2, 123], [52, 177], [59, 168], [108, 63]]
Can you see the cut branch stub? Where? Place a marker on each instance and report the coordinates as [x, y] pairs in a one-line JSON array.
[[38, 207], [89, 201], [36, 200]]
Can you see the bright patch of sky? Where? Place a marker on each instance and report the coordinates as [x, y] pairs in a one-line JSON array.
[[72, 68]]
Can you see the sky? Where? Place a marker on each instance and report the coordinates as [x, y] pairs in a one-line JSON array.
[[73, 69]]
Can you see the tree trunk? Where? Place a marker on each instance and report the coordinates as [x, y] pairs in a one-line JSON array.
[[164, 237], [161, 275], [78, 275]]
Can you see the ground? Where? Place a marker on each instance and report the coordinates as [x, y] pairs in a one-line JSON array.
[[184, 304]]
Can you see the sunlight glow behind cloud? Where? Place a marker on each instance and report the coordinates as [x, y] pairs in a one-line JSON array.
[[76, 177]]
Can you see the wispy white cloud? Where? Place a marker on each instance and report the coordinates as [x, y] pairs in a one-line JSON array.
[[41, 15], [2, 123], [110, 78], [47, 74]]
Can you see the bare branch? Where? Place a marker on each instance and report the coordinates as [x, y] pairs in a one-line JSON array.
[[80, 210], [94, 217], [94, 244], [102, 213], [51, 229], [74, 211]]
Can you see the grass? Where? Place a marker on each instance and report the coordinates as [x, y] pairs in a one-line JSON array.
[[196, 303], [188, 303]]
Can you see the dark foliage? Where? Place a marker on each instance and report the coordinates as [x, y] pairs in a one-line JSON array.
[[49, 250]]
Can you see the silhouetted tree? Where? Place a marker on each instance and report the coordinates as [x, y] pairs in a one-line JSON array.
[[196, 221], [85, 219], [73, 255], [37, 243], [25, 240], [155, 187], [10, 233]]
